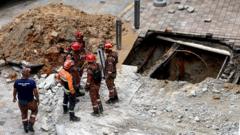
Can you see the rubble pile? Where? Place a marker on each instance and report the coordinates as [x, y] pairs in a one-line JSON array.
[[50, 103], [209, 107], [40, 35]]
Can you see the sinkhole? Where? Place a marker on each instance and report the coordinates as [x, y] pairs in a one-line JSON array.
[[179, 57]]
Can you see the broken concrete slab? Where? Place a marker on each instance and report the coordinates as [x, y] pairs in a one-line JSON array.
[[208, 20], [49, 82], [54, 34], [2, 123], [190, 9], [180, 7], [60, 129], [2, 63], [159, 3], [171, 11], [102, 1]]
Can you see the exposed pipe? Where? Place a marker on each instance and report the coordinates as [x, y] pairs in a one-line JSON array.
[[195, 45]]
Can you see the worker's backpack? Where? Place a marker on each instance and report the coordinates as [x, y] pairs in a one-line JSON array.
[[97, 74]]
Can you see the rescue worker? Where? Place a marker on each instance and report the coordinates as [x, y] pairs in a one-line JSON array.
[[78, 56], [69, 96], [94, 78], [28, 99], [111, 72], [79, 38]]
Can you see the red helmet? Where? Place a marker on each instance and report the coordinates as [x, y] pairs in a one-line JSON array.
[[75, 46], [79, 34], [68, 64], [90, 57], [108, 46]]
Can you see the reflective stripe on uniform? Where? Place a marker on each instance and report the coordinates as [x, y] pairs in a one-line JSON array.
[[111, 90], [70, 111], [64, 104], [95, 106], [33, 116], [66, 90], [25, 120]]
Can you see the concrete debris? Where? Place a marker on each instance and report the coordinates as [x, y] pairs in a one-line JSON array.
[[9, 80], [180, 116], [193, 93], [17, 69], [208, 20], [177, 2], [216, 97], [190, 9], [43, 75], [168, 29], [45, 126], [197, 119], [186, 6], [105, 133], [49, 82], [60, 129], [116, 131], [215, 91], [159, 3], [179, 120], [5, 75], [181, 7], [171, 11], [54, 34], [2, 62], [103, 1]]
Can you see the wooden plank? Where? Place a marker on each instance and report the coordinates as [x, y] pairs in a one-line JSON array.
[[164, 58], [222, 68]]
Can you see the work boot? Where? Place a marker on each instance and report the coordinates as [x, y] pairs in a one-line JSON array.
[[30, 127], [25, 126], [73, 117], [110, 101], [116, 98], [80, 94], [65, 109], [95, 113], [100, 107], [77, 100]]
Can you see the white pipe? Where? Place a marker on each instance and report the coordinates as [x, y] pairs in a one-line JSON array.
[[195, 45]]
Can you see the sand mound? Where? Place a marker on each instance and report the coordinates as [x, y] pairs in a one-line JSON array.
[[39, 35]]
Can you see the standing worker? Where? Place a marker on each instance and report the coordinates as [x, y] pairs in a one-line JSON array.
[[111, 72], [25, 89], [79, 38], [77, 54], [94, 77], [66, 80]]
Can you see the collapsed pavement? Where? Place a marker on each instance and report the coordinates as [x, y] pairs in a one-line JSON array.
[[147, 106]]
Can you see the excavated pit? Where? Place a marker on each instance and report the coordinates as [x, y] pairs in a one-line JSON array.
[[167, 56]]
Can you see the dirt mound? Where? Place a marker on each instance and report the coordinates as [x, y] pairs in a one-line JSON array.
[[39, 35]]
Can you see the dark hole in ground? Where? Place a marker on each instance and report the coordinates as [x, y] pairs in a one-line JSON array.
[[161, 59]]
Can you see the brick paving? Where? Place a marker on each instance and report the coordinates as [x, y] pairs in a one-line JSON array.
[[224, 16]]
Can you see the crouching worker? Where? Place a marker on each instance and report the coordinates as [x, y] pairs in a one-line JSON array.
[[94, 77], [69, 96], [25, 89]]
